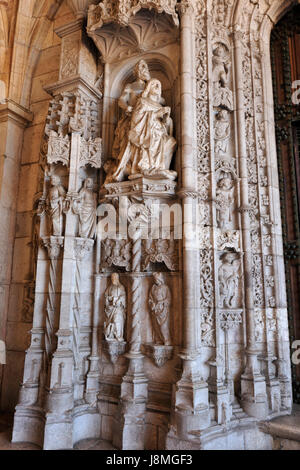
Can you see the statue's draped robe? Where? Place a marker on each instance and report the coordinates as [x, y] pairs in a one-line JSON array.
[[149, 145], [87, 213], [115, 304], [159, 301]]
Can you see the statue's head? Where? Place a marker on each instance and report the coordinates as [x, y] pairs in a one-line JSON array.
[[229, 257], [153, 89], [158, 278], [89, 183], [115, 280], [141, 71], [225, 183], [220, 50], [222, 115], [55, 180]]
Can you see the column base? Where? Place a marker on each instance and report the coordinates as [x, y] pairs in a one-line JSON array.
[[254, 400], [129, 427], [58, 432], [29, 423], [192, 410]]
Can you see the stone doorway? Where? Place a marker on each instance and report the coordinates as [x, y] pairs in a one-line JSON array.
[[285, 55]]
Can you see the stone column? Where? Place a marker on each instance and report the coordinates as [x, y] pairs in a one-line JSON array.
[[13, 120], [130, 428], [73, 122], [191, 401], [253, 386], [37, 369]]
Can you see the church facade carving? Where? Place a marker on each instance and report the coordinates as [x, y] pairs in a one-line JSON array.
[[158, 266]]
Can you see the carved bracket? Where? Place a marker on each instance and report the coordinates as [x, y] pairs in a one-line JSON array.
[[160, 354], [229, 319], [114, 349]]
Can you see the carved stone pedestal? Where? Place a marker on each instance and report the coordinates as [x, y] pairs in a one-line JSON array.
[[219, 393], [253, 389], [192, 412], [272, 383], [159, 353], [114, 349], [129, 427]]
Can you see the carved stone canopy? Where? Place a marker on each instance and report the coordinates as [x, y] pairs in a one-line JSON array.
[[121, 11], [118, 39]]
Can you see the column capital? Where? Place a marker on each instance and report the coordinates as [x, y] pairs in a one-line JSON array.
[[69, 28], [10, 110], [187, 7]]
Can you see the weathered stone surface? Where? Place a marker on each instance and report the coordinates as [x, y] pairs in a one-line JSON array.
[[188, 348]]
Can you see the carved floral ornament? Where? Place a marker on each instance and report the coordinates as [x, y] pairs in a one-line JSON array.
[[121, 11]]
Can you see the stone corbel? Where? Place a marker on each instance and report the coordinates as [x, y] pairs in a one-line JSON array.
[[159, 353], [53, 245], [82, 246], [114, 349]]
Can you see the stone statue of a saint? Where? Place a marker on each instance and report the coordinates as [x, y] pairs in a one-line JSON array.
[[225, 201], [223, 96], [159, 303], [222, 132], [228, 276], [85, 206], [143, 144], [55, 205], [127, 102], [115, 310]]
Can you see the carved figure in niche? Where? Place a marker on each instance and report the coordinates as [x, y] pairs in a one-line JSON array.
[[117, 252], [223, 96], [127, 103], [160, 251], [115, 310], [85, 206], [225, 201], [150, 146], [159, 303], [55, 205], [222, 132], [228, 276]]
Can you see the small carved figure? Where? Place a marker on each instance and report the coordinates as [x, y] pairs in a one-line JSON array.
[[229, 279], [223, 96], [55, 205], [115, 310], [117, 253], [160, 251], [225, 201], [159, 303], [85, 206], [222, 132]]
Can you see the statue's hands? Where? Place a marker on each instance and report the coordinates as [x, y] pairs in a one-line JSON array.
[[166, 115], [164, 112], [129, 109]]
